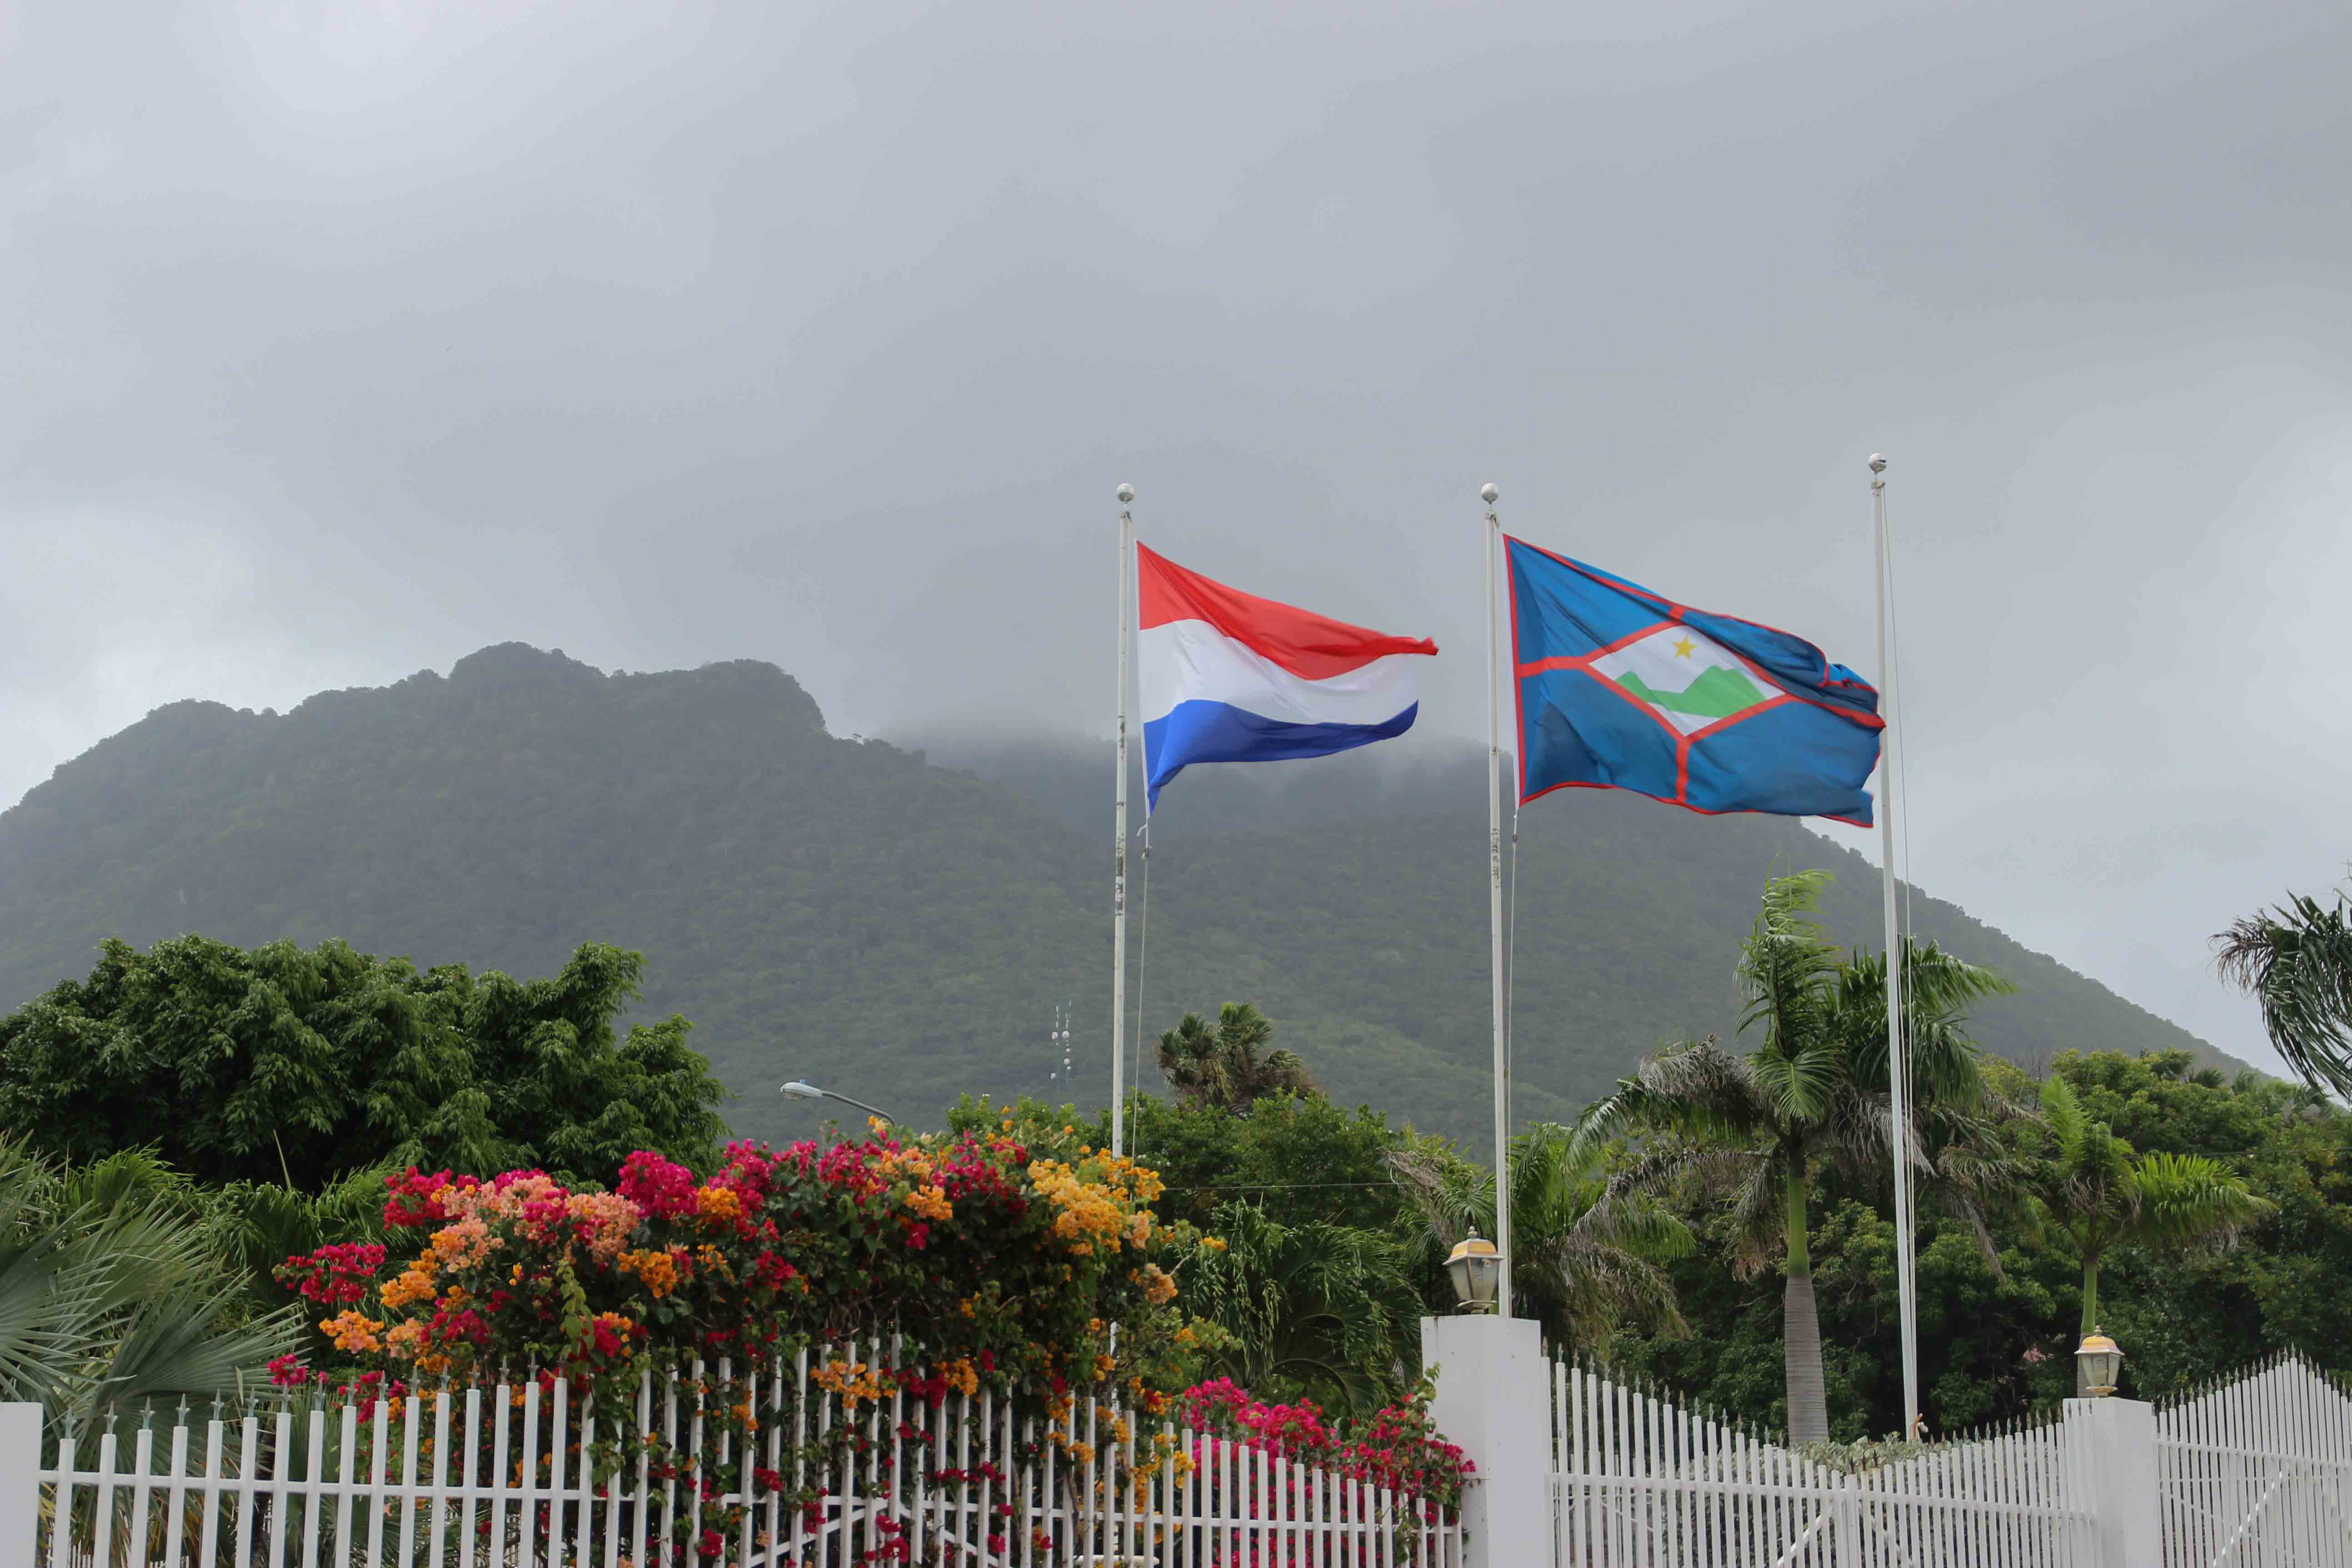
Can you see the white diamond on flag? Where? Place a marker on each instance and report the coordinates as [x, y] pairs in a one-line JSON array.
[[1683, 677]]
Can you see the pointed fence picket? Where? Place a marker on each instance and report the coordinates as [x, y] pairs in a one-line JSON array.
[[1640, 1480], [515, 1476], [2256, 1469]]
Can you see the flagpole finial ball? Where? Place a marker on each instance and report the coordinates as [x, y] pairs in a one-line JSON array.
[[1490, 495], [1126, 494], [1878, 462]]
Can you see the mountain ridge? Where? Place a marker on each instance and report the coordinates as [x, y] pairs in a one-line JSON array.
[[856, 912]]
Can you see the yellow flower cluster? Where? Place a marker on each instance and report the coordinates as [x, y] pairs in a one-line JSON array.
[[932, 1203], [1104, 1211], [718, 1206], [353, 1333], [962, 1377], [852, 1381], [658, 1270], [414, 1283]]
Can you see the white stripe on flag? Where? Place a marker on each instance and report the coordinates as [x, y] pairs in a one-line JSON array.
[[1191, 661]]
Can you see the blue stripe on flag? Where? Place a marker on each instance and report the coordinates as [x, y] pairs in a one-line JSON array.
[[1219, 732]]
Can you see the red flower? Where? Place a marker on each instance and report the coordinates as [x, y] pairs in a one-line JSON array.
[[412, 1201], [335, 1276]]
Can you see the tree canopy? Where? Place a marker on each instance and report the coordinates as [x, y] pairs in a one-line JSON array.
[[1810, 1098], [293, 1066]]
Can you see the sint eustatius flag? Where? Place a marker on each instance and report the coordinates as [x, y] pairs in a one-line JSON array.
[[1621, 688], [1227, 677]]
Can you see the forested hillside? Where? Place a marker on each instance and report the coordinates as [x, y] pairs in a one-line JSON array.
[[845, 911]]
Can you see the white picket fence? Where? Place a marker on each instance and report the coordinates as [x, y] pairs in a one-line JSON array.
[[1643, 1481], [497, 1477], [2257, 1472]]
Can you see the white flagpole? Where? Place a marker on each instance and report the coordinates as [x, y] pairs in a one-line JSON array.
[[1118, 831], [1495, 921], [1898, 1068]]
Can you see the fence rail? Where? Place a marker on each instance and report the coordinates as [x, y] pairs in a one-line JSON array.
[[831, 1461]]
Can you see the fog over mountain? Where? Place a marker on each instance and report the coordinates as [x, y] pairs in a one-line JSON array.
[[351, 337]]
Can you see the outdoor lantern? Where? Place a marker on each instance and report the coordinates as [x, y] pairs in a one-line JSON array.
[[2102, 1361], [1476, 1268]]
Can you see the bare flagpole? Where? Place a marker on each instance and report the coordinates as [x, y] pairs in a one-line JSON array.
[[1489, 494], [1898, 1068], [1119, 833]]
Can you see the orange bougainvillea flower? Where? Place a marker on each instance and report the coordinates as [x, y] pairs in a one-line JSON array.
[[353, 1333]]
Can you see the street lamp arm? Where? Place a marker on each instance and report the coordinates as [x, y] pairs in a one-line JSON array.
[[800, 1090], [870, 1110]]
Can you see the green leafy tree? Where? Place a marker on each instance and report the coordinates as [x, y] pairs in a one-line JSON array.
[[1584, 1259], [1301, 1161], [116, 1290], [293, 1066], [1227, 1065], [2101, 1194], [2296, 962], [1811, 1094], [1327, 1313]]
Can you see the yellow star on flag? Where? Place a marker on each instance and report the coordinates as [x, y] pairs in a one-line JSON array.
[[1683, 647]]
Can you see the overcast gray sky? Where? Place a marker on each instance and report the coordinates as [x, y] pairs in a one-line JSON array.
[[350, 337]]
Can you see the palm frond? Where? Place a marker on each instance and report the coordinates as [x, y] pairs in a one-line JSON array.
[[1695, 1088], [1787, 965], [2062, 1108], [2188, 1200], [2295, 961]]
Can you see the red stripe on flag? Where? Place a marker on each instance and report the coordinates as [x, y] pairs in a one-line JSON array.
[[1311, 647]]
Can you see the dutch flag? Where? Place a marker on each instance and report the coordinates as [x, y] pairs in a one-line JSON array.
[[1228, 676]]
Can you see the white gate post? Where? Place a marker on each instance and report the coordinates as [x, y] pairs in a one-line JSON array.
[[1494, 1399], [20, 1484], [2115, 1449]]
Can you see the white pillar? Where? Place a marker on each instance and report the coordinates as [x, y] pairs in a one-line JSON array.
[[2113, 1444], [1492, 1398], [20, 1484]]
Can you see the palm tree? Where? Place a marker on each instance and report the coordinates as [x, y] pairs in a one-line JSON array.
[[2102, 1195], [1584, 1260], [2296, 960], [1328, 1312], [114, 1291], [1227, 1066], [1811, 1094]]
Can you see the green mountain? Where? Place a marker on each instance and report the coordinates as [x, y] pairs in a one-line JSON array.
[[849, 911], [1718, 694]]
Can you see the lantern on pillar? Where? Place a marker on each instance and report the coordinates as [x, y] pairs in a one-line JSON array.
[[2102, 1363], [1474, 1268]]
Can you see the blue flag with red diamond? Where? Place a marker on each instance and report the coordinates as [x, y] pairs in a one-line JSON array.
[[1620, 689]]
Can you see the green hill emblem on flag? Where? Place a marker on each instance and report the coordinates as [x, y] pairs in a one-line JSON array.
[[1683, 677]]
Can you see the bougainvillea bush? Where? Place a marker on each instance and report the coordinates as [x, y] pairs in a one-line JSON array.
[[1001, 1269], [965, 1244], [1007, 1270], [1398, 1448]]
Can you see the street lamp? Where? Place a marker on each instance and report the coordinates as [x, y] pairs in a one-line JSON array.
[[1476, 1268], [2101, 1362], [796, 1090]]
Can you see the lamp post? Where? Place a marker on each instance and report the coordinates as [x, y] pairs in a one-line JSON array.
[[1476, 1268], [796, 1090]]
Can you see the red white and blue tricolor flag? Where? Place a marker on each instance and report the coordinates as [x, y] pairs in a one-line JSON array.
[[1620, 689], [1227, 677]]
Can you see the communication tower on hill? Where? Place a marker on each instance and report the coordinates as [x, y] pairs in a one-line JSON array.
[[1059, 1035]]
